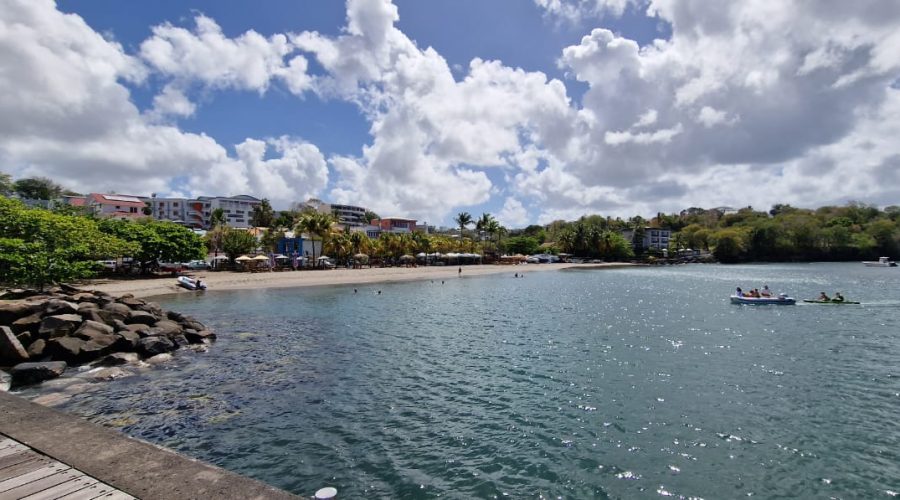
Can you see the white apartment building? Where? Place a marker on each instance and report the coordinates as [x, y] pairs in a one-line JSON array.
[[197, 212]]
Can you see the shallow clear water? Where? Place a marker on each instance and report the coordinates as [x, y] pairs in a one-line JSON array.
[[639, 382]]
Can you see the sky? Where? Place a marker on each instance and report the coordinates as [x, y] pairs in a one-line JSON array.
[[531, 110]]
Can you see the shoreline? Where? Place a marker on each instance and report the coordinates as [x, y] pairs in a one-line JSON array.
[[230, 280]]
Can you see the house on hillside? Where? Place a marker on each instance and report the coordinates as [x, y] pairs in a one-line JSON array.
[[116, 206]]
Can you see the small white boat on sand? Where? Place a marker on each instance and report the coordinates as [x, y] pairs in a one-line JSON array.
[[782, 299], [881, 262], [190, 283]]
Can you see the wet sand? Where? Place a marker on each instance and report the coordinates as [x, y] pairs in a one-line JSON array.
[[227, 280]]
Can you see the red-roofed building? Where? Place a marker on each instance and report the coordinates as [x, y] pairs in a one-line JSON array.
[[116, 206]]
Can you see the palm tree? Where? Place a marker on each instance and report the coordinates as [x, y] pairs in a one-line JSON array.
[[316, 224], [483, 225], [463, 219]]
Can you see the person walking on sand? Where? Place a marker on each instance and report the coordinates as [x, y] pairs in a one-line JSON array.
[[460, 271]]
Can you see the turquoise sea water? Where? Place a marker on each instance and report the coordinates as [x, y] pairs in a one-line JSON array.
[[634, 383]]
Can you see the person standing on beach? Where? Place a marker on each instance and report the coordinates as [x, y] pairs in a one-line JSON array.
[[460, 271]]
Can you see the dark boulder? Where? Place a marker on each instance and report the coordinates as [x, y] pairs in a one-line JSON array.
[[11, 350], [84, 306], [151, 346], [142, 317], [66, 349], [93, 349], [91, 329], [180, 340], [196, 337], [29, 323], [57, 306], [142, 330], [33, 373], [166, 328], [37, 349], [58, 326], [153, 308], [10, 312], [126, 340], [98, 315], [118, 359], [117, 311], [119, 325], [131, 302], [85, 298], [175, 316]]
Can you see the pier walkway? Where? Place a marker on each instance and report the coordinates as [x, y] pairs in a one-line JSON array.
[[27, 474], [111, 465]]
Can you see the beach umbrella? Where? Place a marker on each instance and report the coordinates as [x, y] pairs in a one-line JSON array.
[[407, 257], [281, 257], [260, 258], [360, 256], [220, 257], [242, 258], [324, 257]]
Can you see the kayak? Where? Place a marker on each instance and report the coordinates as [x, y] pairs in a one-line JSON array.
[[780, 300], [835, 302]]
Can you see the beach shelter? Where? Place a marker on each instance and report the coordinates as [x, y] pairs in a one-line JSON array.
[[242, 258]]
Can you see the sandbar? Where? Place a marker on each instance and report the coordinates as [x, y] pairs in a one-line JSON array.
[[228, 280]]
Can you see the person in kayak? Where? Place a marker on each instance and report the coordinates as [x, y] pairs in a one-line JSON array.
[[823, 297], [838, 297]]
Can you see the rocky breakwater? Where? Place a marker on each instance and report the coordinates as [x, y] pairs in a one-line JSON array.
[[43, 334]]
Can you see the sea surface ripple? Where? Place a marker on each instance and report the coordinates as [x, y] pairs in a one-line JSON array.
[[635, 383]]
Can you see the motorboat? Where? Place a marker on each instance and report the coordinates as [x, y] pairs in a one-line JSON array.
[[190, 283], [781, 299], [881, 262]]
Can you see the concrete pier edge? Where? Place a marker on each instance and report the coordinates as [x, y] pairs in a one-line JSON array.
[[139, 468]]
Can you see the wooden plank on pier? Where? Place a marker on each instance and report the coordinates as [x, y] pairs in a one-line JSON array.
[[27, 474]]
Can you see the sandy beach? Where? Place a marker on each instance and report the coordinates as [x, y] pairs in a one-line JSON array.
[[227, 280]]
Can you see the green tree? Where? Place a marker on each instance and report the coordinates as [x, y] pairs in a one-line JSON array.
[[262, 214], [286, 219], [730, 245], [370, 216], [217, 218], [463, 219], [39, 247], [158, 241], [317, 225], [37, 188], [236, 242], [884, 231], [525, 245], [613, 246]]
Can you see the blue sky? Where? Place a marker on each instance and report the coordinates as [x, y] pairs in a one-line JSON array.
[[530, 110]]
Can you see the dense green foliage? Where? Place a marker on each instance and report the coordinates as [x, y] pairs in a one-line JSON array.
[[37, 188], [157, 241], [39, 247], [851, 232], [525, 245], [236, 242], [262, 215], [591, 237]]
